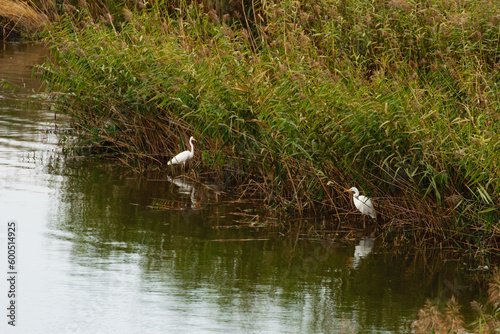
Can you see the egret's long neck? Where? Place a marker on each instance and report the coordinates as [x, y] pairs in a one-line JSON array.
[[192, 146]]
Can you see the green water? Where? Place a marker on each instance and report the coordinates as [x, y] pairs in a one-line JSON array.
[[96, 256]]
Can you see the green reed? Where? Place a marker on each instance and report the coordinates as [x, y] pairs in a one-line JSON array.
[[399, 98]]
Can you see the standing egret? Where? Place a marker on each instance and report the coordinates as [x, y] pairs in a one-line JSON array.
[[363, 203], [182, 157]]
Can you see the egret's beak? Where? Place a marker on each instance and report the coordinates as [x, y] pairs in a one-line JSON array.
[[347, 190]]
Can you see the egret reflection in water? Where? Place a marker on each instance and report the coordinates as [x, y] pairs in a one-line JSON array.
[[362, 249], [186, 187]]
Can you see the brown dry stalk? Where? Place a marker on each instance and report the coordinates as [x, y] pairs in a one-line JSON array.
[[22, 13], [431, 320]]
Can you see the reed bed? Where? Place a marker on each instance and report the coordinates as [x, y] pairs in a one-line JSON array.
[[298, 101]]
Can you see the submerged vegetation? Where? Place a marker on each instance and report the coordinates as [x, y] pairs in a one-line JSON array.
[[295, 102]]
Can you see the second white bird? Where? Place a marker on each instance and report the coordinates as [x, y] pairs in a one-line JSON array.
[[182, 157], [363, 203]]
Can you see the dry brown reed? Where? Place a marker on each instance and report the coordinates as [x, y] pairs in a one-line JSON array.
[[17, 15], [432, 320]]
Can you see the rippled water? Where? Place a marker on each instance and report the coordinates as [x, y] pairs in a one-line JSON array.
[[103, 250]]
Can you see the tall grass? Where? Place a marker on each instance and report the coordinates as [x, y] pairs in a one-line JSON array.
[[20, 16], [433, 320], [399, 98]]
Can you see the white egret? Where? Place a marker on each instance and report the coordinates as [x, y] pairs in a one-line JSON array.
[[363, 203], [182, 157]]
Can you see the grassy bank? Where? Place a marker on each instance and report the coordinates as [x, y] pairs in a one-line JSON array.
[[296, 102]]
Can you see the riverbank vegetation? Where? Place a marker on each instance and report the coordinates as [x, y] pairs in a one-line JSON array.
[[293, 102], [433, 320]]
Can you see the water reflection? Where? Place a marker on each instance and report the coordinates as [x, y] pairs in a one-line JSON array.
[[363, 248], [187, 187], [278, 285], [97, 256]]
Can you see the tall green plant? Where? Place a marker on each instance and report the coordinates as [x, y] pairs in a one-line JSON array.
[[399, 97]]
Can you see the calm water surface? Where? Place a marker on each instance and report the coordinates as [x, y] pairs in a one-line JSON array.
[[94, 256]]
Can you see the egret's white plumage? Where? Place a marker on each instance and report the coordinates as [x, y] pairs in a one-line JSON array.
[[363, 203], [182, 157]]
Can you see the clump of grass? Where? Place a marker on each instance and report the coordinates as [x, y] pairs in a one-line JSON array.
[[303, 100], [27, 18], [432, 320], [23, 16]]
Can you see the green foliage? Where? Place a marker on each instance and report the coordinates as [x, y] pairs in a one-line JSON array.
[[397, 97]]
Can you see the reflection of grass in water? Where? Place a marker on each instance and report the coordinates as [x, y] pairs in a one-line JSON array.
[[165, 204], [450, 320], [399, 100]]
